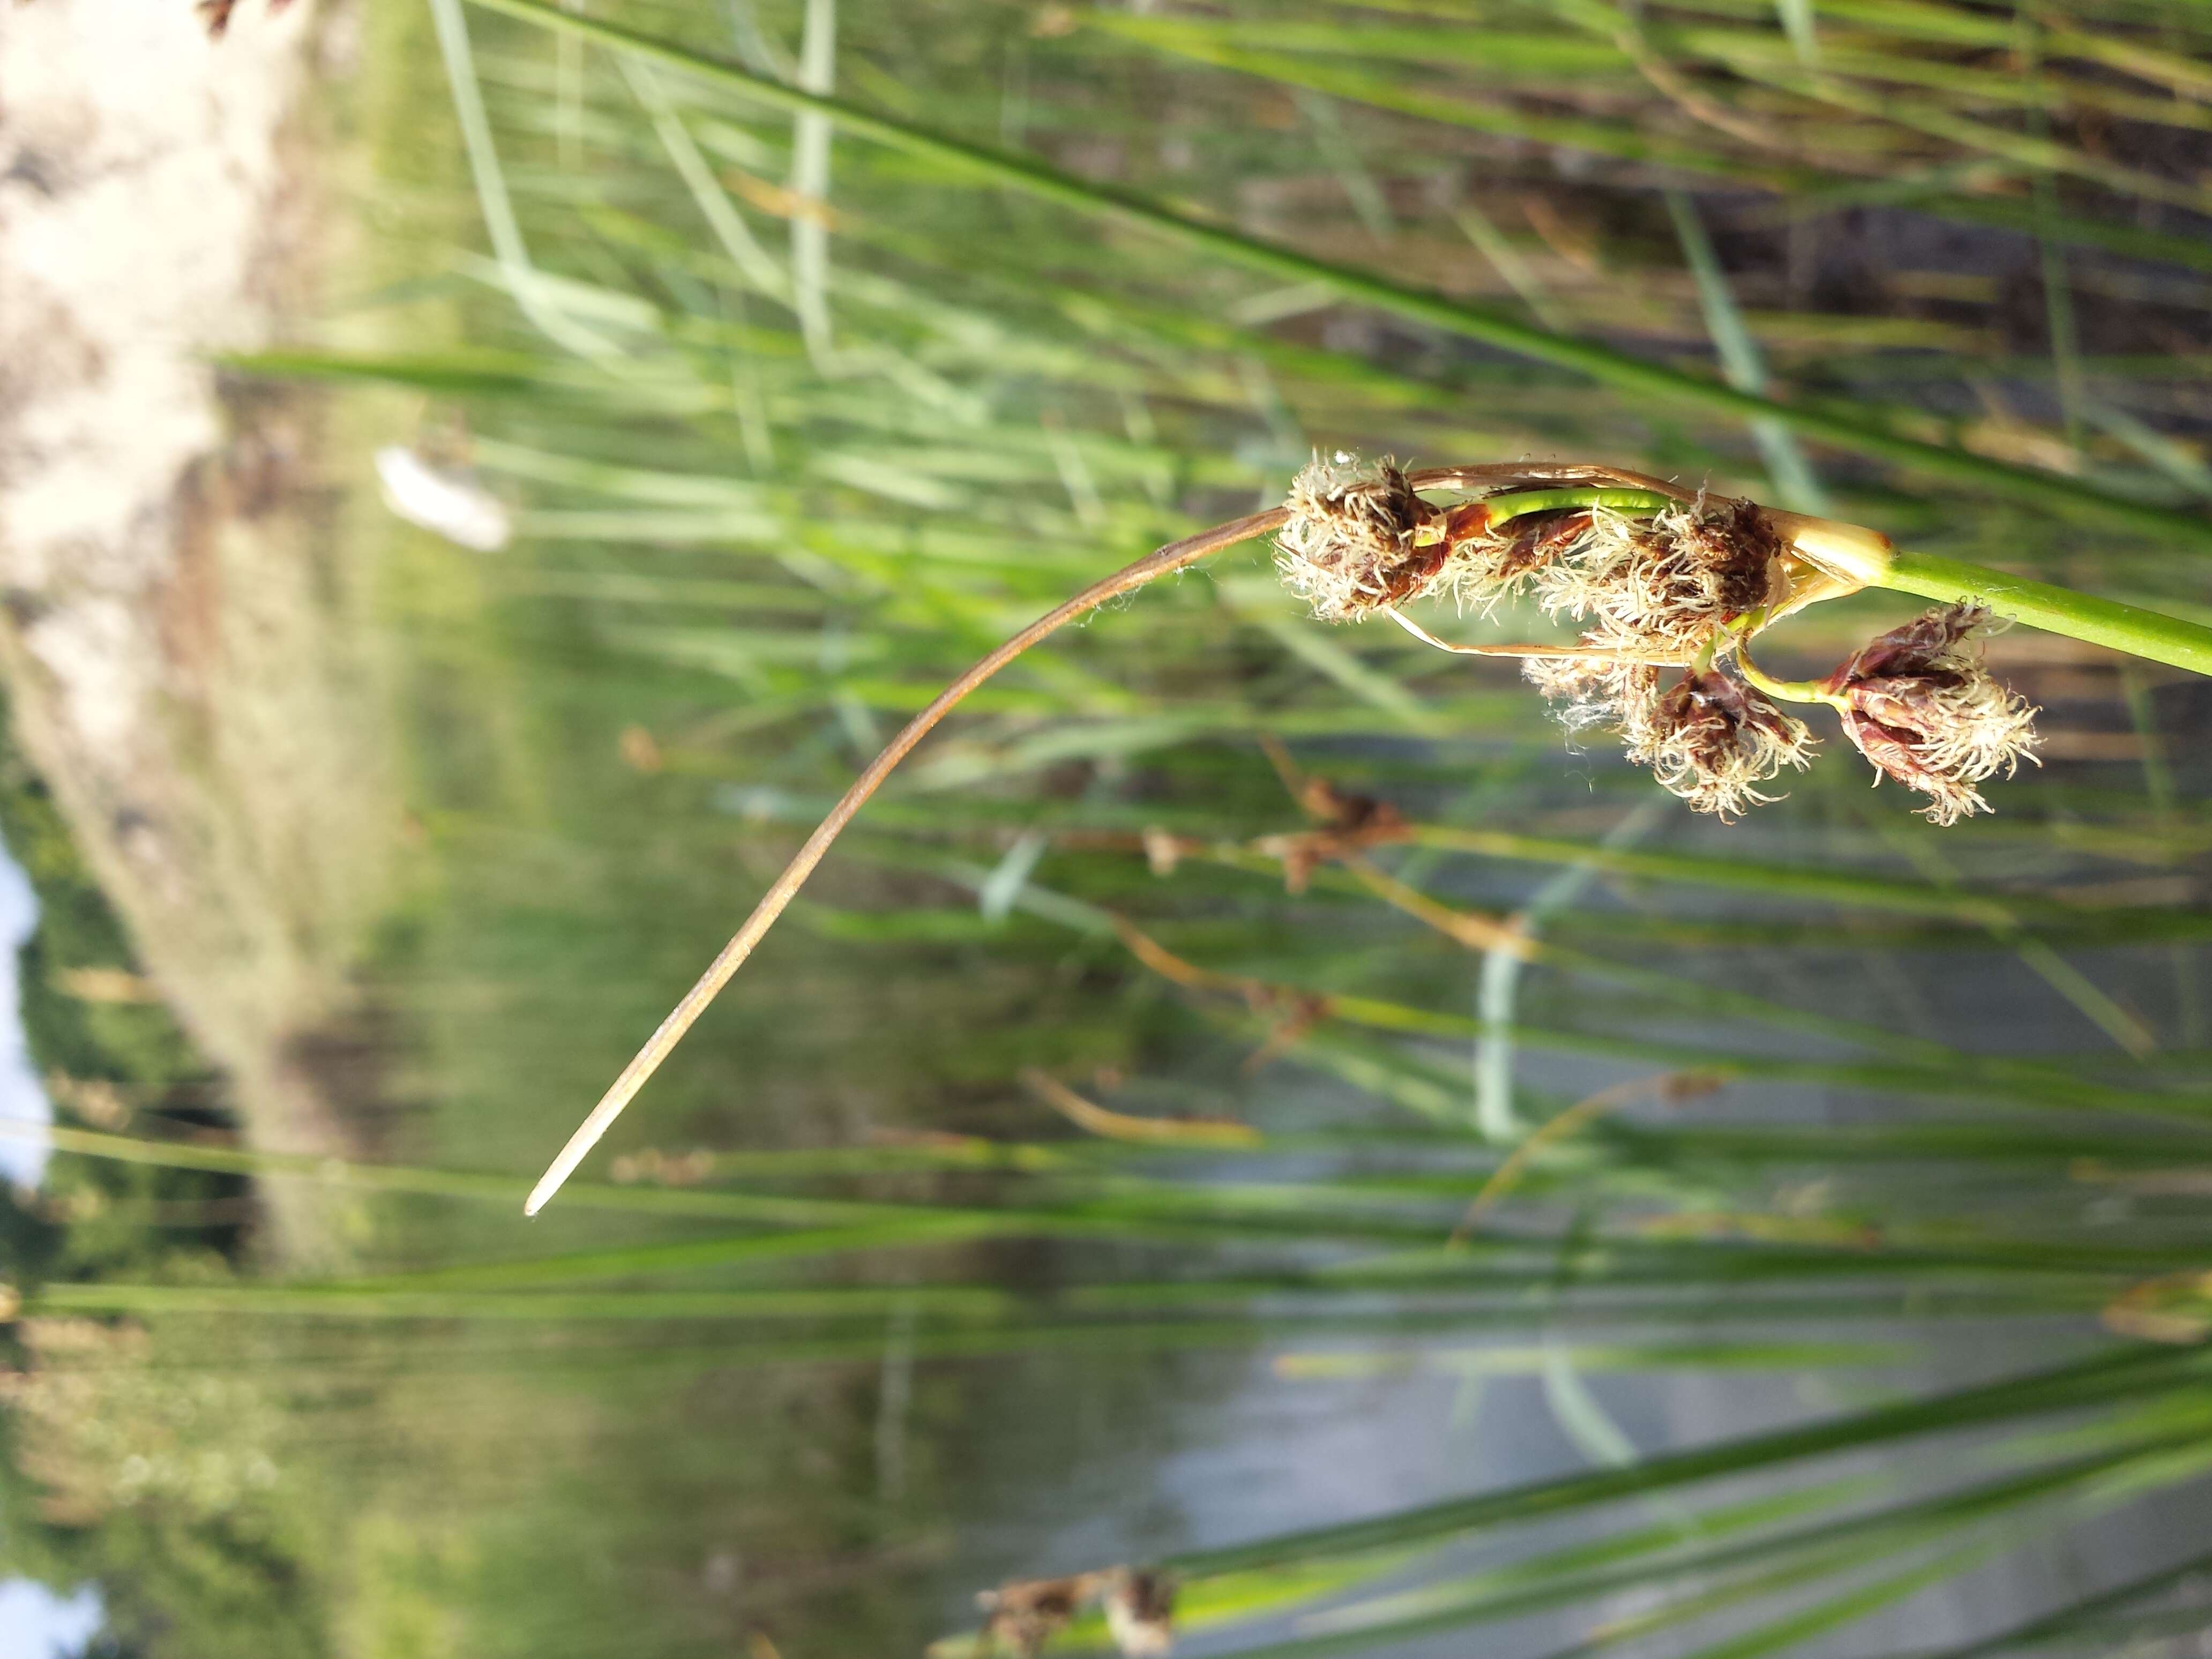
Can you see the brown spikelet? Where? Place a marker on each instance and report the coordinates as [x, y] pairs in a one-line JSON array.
[[1025, 1615], [1712, 740], [1669, 579], [1349, 546], [1140, 1612], [1486, 567], [1918, 703]]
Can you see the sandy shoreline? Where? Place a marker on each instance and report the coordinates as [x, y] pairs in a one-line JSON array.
[[185, 652]]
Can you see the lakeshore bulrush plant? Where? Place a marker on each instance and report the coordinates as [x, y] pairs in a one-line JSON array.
[[1669, 587]]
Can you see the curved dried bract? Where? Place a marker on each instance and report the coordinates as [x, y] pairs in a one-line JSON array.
[[1176, 556]]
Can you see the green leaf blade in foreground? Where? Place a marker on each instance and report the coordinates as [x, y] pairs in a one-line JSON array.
[[2103, 1377], [1630, 376]]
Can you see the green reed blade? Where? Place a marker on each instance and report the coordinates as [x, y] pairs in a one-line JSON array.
[[2127, 1374], [1618, 370]]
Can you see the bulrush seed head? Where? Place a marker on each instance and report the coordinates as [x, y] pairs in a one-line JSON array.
[[1918, 703], [1713, 740], [1669, 580], [1025, 1616], [1350, 545], [1490, 565]]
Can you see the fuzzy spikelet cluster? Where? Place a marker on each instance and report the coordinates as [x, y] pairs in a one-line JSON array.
[[1359, 538], [1707, 737], [1918, 703], [1350, 545], [1654, 593], [1589, 694], [1661, 588], [1667, 582], [1712, 740]]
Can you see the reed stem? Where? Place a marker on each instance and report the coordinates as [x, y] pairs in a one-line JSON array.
[[2140, 633], [1866, 558]]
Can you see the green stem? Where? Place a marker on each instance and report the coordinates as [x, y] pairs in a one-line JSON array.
[[1632, 376], [1783, 690], [2139, 633], [1500, 509]]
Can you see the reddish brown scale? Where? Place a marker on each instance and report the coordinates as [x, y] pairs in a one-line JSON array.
[[1465, 522], [1915, 651], [1421, 565], [1707, 567], [1749, 545], [1418, 570], [1712, 739], [1925, 712], [1544, 539], [1399, 495]]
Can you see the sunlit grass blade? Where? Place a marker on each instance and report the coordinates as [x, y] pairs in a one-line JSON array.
[[1621, 372], [2109, 1376]]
